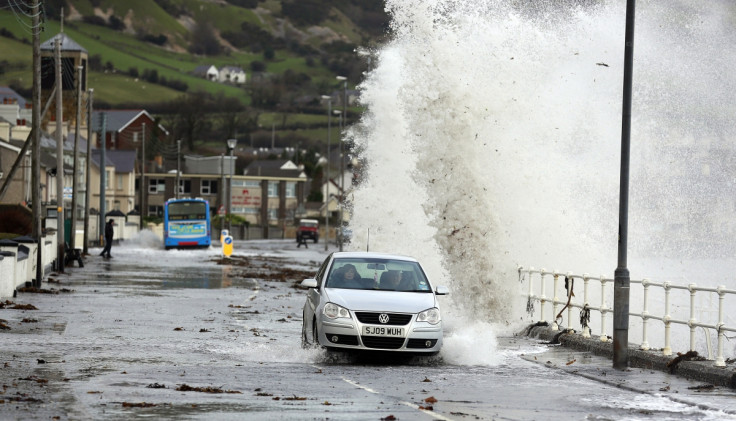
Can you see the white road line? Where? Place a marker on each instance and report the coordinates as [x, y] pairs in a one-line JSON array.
[[409, 404]]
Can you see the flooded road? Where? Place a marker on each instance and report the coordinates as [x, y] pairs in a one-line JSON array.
[[185, 335]]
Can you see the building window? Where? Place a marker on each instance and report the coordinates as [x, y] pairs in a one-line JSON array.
[[156, 211], [252, 183], [273, 214], [208, 187], [116, 205], [185, 186], [120, 182], [291, 189], [108, 175], [273, 189], [156, 185]]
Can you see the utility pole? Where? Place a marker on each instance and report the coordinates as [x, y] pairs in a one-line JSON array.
[[59, 162], [75, 177], [36, 139], [87, 192], [343, 124], [621, 280], [143, 170], [178, 167], [103, 177]]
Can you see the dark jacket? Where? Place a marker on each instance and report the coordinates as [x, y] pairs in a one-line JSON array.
[[108, 231]]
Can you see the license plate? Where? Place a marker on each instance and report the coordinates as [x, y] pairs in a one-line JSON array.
[[383, 331]]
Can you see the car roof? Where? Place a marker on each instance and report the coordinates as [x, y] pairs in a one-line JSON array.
[[368, 255]]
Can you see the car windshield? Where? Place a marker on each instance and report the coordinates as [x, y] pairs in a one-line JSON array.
[[377, 274]]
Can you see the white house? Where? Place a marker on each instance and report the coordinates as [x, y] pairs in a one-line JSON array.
[[207, 71], [232, 74]]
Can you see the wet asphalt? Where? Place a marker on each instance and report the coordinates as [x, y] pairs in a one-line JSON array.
[[188, 335]]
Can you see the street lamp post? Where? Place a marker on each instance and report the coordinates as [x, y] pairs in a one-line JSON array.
[[343, 124], [178, 168], [338, 226], [231, 147], [327, 185]]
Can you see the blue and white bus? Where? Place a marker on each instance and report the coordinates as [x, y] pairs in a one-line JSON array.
[[186, 223]]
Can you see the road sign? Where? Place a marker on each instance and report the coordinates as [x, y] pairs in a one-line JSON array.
[[221, 210], [227, 246]]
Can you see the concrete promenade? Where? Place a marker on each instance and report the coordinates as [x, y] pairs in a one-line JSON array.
[[702, 371]]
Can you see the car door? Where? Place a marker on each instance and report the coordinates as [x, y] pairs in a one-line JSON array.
[[314, 294]]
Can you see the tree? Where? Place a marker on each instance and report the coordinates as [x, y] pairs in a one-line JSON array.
[[204, 41]]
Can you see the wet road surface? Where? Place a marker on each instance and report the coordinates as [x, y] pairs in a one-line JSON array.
[[184, 335]]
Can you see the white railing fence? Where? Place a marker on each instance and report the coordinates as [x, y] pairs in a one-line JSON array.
[[552, 309]]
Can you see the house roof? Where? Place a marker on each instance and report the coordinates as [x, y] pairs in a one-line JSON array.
[[231, 69], [203, 69], [274, 168], [116, 120], [8, 92], [67, 44], [122, 160]]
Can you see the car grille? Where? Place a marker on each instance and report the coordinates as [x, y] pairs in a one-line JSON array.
[[421, 343], [343, 339], [381, 342], [394, 319]]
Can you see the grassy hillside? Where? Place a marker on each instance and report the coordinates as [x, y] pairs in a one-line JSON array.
[[128, 41]]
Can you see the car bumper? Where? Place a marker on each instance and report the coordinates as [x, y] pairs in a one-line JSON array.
[[418, 337]]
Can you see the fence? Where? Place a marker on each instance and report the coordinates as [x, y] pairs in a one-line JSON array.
[[570, 302]]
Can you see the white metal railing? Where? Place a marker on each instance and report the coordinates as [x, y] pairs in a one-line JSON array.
[[585, 307]]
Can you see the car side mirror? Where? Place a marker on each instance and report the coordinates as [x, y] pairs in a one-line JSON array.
[[309, 283], [441, 290]]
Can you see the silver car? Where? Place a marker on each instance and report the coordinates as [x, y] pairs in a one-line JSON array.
[[372, 301]]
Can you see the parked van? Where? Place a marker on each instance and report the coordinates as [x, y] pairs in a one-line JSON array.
[[308, 229]]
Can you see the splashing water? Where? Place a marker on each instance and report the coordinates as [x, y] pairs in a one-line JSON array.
[[492, 139]]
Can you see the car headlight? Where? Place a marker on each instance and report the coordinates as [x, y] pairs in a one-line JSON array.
[[431, 316], [334, 311]]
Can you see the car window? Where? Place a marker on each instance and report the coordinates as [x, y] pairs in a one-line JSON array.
[[321, 271], [379, 274]]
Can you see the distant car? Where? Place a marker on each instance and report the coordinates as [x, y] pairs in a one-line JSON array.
[[388, 304], [308, 229]]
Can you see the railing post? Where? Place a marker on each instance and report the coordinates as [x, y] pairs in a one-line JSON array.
[[586, 329], [645, 316], [542, 297], [569, 296], [691, 321], [667, 350], [604, 336], [720, 362], [531, 292], [555, 299]]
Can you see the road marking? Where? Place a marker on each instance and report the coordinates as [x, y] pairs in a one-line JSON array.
[[433, 414]]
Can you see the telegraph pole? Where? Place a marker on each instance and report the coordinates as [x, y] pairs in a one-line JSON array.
[[178, 168], [87, 192], [143, 170], [75, 178], [103, 177], [60, 240], [36, 139], [621, 281]]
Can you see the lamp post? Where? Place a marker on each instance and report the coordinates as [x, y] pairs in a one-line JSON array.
[[338, 226], [343, 123], [327, 185], [231, 147], [178, 168]]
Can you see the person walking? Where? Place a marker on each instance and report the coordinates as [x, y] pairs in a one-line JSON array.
[[109, 232]]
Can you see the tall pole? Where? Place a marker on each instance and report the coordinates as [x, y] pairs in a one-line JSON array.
[[231, 143], [88, 163], [327, 185], [178, 167], [143, 171], [59, 161], [75, 177], [230, 195], [343, 124], [36, 139], [103, 176], [222, 190], [621, 280]]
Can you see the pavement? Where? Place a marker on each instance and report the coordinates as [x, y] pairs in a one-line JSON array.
[[697, 383]]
